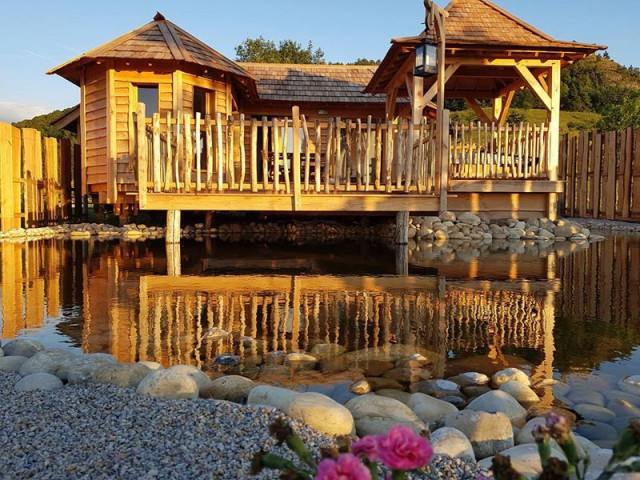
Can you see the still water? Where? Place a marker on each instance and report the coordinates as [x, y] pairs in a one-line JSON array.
[[571, 314]]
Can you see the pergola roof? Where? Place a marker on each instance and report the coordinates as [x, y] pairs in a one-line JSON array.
[[481, 29], [159, 41], [313, 83]]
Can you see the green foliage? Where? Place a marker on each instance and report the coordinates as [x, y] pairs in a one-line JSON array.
[[366, 61], [622, 115], [287, 51], [44, 124]]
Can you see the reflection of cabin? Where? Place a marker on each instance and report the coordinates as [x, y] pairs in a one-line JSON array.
[[361, 143]]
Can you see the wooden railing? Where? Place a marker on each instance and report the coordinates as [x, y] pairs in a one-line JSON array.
[[490, 151], [284, 155]]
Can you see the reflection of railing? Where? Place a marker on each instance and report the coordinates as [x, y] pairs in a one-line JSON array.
[[284, 155], [490, 151], [293, 313]]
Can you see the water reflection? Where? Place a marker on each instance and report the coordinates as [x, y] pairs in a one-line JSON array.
[[565, 310]]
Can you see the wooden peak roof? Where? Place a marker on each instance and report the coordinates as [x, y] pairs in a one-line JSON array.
[[159, 40], [482, 22], [480, 28]]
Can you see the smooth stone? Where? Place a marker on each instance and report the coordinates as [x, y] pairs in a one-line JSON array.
[[470, 218], [360, 388], [52, 360], [436, 388], [168, 384], [587, 445], [301, 361], [1, 352], [561, 389], [152, 365], [599, 460], [596, 431], [499, 401], [522, 393], [507, 374], [323, 350], [525, 459], [78, 364], [12, 364], [22, 347], [121, 374], [429, 409], [630, 384], [457, 402], [83, 372], [620, 395], [452, 442], [230, 387], [38, 381], [525, 435], [594, 412], [271, 396], [201, 378], [474, 378], [489, 433], [542, 411], [584, 395], [376, 368], [374, 414], [321, 413], [475, 391], [380, 383], [623, 408], [399, 395], [227, 360], [407, 374]]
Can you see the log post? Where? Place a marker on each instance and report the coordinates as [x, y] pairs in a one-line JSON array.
[[208, 220], [174, 268], [297, 201], [173, 226], [402, 260], [402, 228]]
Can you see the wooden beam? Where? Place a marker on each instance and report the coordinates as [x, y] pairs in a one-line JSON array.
[[502, 119], [418, 100], [7, 207], [112, 140], [482, 115], [505, 186], [433, 89], [535, 85], [390, 106], [83, 137]]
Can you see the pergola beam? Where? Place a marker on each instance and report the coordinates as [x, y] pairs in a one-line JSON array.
[[482, 115], [535, 85], [433, 89]]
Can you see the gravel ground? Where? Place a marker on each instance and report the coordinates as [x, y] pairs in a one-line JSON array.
[[104, 432]]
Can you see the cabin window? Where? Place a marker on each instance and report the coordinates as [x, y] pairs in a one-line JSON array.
[[148, 94], [203, 102]]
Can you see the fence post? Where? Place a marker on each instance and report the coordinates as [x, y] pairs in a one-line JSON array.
[[65, 177], [7, 207], [443, 138], [297, 203], [142, 156]]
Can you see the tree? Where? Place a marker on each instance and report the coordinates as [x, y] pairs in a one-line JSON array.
[[366, 61], [288, 51], [620, 116]]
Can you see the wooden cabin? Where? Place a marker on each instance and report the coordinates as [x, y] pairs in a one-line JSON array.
[[219, 135]]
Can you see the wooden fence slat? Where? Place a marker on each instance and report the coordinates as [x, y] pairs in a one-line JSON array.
[[635, 190], [610, 163], [626, 159], [597, 174]]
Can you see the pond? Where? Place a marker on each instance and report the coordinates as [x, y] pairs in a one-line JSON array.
[[568, 312]]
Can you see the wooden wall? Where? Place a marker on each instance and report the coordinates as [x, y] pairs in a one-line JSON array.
[[94, 118], [501, 205]]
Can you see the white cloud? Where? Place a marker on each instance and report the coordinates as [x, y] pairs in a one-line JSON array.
[[14, 112]]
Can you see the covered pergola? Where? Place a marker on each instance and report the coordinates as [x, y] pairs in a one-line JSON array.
[[489, 55]]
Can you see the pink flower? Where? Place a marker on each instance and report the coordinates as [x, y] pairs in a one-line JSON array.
[[401, 449], [347, 467], [367, 447]]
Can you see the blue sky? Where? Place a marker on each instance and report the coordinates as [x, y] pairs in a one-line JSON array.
[[40, 34]]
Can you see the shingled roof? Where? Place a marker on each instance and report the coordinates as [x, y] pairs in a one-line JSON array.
[[481, 26], [313, 83], [473, 22], [159, 40]]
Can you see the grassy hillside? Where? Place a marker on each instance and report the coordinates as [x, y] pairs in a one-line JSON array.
[[570, 122]]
